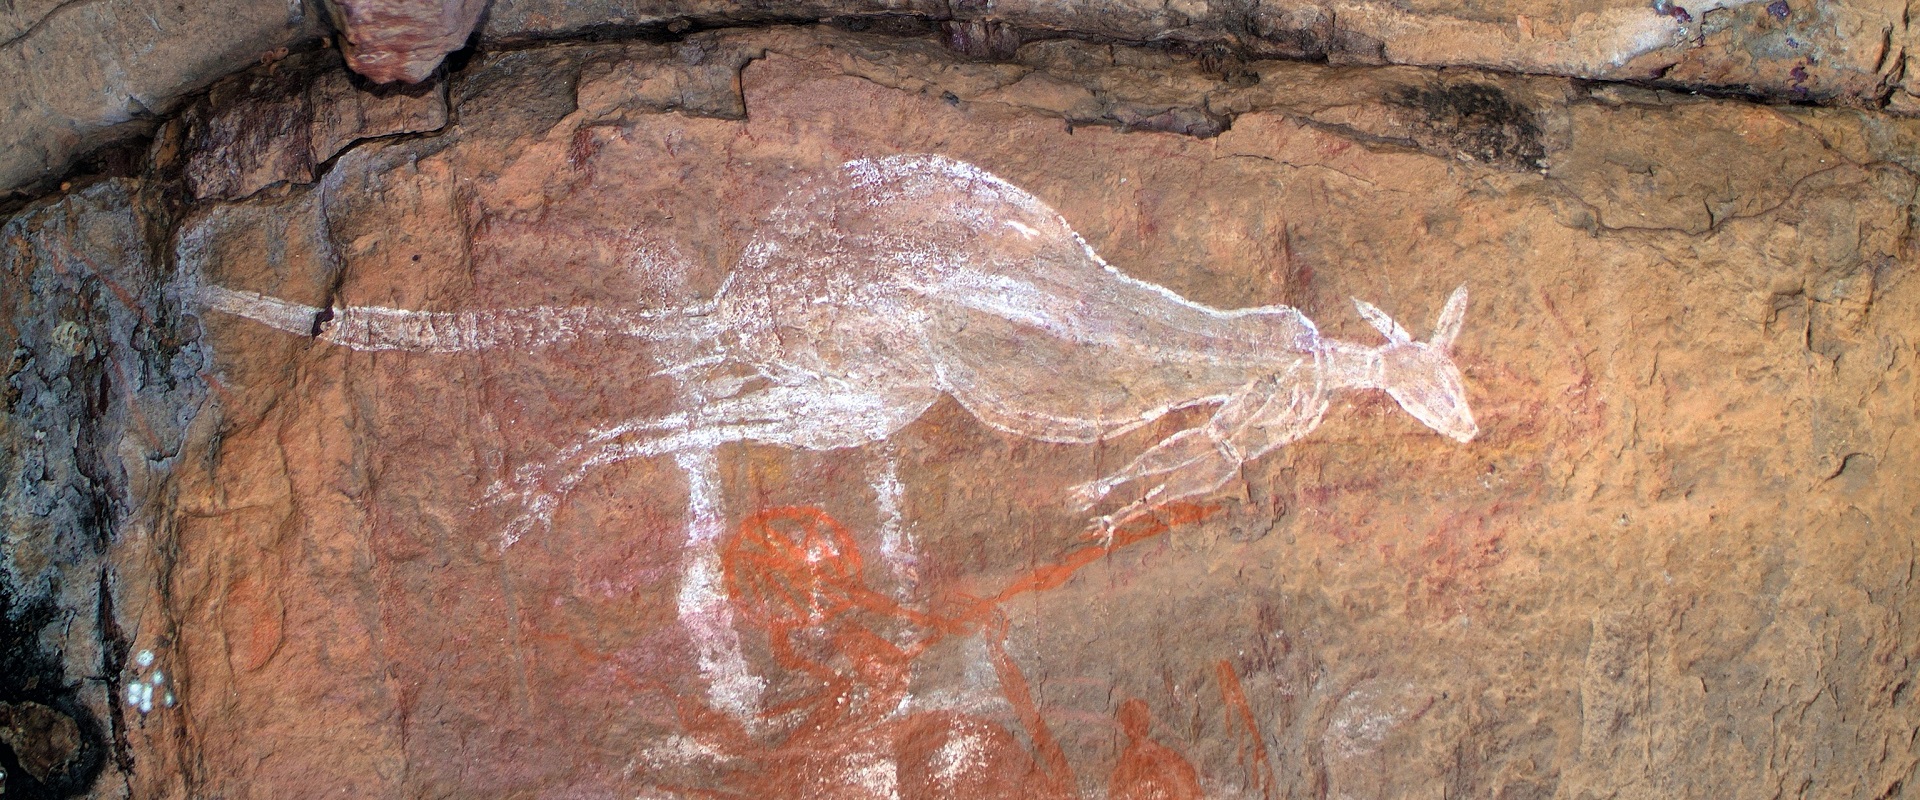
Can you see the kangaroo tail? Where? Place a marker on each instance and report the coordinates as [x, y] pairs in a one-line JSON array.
[[377, 328], [272, 311]]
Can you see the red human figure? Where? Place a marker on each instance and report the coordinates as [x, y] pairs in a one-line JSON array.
[[1149, 770]]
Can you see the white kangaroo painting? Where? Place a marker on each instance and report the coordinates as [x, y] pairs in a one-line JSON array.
[[873, 290]]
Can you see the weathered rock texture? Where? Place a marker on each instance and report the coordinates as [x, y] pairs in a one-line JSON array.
[[101, 385], [80, 74], [402, 40], [1678, 561], [1852, 52], [75, 75], [278, 126]]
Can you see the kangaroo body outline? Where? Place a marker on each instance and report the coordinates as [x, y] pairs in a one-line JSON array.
[[875, 289]]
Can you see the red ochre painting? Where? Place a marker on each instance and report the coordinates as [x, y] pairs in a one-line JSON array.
[[797, 580], [970, 400], [864, 298], [796, 576]]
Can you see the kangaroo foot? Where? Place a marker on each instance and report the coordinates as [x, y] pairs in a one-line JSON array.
[[1103, 529], [529, 490]]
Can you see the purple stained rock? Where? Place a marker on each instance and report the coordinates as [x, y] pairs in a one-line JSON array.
[[1779, 9], [1667, 8]]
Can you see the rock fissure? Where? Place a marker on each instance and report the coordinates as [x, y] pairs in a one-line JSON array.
[[40, 22], [675, 27]]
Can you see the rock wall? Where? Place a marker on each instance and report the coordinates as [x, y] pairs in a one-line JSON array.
[[485, 436], [85, 75]]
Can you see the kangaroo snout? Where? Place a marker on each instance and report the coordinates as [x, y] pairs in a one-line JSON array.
[[1421, 376]]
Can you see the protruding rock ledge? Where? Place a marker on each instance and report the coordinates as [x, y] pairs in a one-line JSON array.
[[80, 74]]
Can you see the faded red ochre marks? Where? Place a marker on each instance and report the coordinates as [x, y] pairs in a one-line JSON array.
[[1444, 551], [1051, 576], [121, 382], [253, 619], [1447, 550], [1253, 756], [1586, 406], [1057, 776], [1454, 562], [796, 576], [1149, 770]]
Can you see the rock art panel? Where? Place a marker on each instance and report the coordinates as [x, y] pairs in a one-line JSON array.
[[262, 442], [791, 424], [871, 292], [894, 281]]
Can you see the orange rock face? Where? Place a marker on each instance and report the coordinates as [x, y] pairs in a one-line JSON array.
[[462, 510]]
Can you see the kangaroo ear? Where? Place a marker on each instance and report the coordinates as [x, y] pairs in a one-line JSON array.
[[1447, 327], [1381, 322]]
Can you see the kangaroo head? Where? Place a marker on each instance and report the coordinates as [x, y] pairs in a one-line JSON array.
[[1421, 376]]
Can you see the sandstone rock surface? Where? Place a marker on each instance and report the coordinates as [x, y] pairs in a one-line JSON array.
[[277, 126], [402, 40], [1849, 53], [1677, 561], [85, 74], [77, 75]]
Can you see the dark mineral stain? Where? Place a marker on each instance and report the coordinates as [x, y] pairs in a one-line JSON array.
[[1478, 121], [9, 390], [39, 698], [1779, 9], [982, 39], [902, 25], [1667, 8]]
